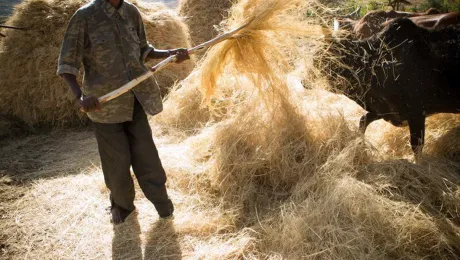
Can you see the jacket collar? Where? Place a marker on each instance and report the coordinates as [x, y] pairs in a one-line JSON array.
[[109, 10]]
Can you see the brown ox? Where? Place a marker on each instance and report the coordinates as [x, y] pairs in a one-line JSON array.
[[374, 21], [402, 74]]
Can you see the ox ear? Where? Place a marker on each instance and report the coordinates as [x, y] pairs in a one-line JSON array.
[[336, 25]]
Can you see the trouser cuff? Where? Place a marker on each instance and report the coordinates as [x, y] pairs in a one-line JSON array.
[[164, 209]]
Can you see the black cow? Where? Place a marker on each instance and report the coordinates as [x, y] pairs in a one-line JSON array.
[[402, 74]]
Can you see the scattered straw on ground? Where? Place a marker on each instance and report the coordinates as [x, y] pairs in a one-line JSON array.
[[281, 183]]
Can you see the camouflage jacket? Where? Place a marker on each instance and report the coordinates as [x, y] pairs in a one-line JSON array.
[[111, 45]]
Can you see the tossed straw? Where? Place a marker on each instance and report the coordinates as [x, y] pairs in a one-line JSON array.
[[260, 52]]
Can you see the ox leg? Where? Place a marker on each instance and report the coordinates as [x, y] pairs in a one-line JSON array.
[[366, 120], [417, 133]]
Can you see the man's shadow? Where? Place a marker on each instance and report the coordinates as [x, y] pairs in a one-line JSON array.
[[162, 242], [126, 242]]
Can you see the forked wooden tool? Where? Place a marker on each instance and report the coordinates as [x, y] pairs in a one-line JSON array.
[[10, 27], [128, 86]]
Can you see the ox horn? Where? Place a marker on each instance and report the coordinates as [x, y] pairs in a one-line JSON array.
[[336, 25]]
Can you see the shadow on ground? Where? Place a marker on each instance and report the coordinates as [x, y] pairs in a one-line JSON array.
[[161, 241], [39, 156]]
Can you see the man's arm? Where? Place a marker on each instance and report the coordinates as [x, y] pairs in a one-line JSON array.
[[71, 81], [70, 60], [182, 54], [87, 103], [147, 50]]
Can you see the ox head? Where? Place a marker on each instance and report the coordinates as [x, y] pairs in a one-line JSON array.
[[339, 61], [349, 62]]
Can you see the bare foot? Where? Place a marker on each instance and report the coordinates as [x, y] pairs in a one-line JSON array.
[[119, 215]]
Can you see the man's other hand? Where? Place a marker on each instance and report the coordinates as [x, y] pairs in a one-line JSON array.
[[89, 104], [182, 54]]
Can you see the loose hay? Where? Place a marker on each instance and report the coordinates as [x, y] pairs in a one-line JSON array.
[[29, 87], [203, 16], [262, 50]]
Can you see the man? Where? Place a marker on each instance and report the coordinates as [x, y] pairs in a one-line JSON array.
[[108, 38]]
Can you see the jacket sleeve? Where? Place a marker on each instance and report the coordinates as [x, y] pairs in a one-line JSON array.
[[145, 46], [72, 48]]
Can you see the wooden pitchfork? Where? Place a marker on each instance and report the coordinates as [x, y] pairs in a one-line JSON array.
[[128, 86], [10, 27]]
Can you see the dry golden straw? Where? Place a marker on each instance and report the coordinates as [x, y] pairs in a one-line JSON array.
[[261, 51]]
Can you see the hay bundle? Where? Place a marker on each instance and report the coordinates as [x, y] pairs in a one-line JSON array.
[[310, 186], [202, 16], [29, 87]]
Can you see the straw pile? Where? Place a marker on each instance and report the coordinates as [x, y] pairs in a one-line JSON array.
[[286, 179], [202, 16], [29, 87], [166, 30]]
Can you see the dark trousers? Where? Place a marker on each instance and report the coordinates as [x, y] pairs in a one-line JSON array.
[[130, 144]]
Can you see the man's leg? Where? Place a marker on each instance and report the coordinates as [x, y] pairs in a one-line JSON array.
[[146, 162], [115, 156]]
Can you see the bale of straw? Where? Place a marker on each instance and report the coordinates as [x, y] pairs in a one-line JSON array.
[[29, 87], [202, 16]]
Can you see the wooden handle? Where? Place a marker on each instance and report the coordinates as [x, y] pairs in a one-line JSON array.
[[13, 27], [128, 86]]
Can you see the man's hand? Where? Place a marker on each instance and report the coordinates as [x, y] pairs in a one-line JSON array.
[[89, 104], [182, 54]]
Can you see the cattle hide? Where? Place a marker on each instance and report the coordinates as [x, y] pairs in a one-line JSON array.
[[404, 73]]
